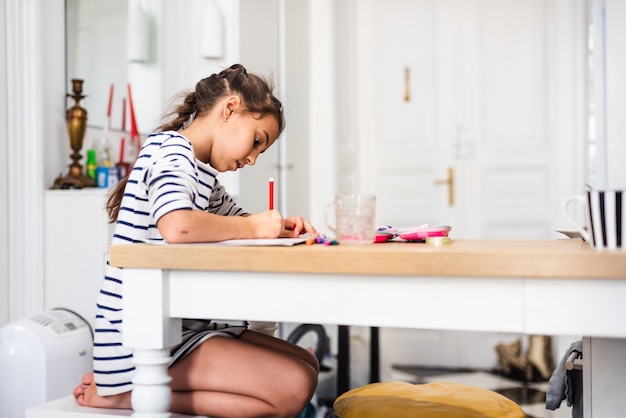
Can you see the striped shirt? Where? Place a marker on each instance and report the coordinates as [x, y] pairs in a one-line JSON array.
[[165, 177]]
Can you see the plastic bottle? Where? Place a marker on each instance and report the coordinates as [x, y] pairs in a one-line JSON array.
[[91, 164], [104, 162], [114, 176], [104, 153]]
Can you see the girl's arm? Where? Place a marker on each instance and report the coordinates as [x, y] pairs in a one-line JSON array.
[[181, 226]]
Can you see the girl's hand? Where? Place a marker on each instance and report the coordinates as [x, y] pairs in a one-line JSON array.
[[296, 226], [268, 224]]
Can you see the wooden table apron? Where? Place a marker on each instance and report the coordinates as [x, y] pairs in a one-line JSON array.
[[534, 287]]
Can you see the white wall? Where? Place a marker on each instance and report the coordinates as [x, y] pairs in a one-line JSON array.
[[324, 109], [616, 92], [4, 189], [35, 74]]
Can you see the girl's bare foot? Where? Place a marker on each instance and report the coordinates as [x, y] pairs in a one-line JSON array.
[[84, 384], [86, 395]]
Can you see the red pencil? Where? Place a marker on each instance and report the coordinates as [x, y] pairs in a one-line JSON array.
[[271, 193]]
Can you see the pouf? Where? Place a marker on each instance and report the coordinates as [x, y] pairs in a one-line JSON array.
[[431, 400]]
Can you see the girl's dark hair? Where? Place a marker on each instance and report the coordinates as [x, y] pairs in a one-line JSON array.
[[256, 96]]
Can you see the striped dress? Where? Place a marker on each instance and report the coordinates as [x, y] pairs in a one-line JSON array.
[[166, 177]]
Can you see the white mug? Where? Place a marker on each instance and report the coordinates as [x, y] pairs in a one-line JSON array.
[[605, 216]]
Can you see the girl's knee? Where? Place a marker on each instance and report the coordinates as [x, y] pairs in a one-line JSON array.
[[297, 392], [312, 360]]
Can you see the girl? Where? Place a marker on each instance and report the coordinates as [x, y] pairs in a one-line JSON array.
[[172, 194]]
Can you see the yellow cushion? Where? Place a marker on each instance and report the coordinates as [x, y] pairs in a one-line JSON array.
[[431, 400]]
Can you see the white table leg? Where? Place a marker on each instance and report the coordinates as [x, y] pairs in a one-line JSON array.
[[150, 331], [151, 395]]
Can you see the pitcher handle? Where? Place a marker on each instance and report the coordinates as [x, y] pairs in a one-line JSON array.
[[327, 210]]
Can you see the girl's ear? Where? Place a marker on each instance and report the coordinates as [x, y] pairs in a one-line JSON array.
[[231, 105]]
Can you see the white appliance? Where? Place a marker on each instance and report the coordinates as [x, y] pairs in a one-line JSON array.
[[42, 357]]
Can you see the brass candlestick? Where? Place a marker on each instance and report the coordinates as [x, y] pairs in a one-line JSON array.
[[76, 126]]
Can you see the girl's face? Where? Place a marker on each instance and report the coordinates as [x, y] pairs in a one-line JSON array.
[[242, 138]]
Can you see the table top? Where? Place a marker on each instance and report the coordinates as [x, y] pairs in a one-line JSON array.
[[567, 258]]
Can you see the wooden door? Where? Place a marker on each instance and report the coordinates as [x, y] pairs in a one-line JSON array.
[[460, 86], [402, 150]]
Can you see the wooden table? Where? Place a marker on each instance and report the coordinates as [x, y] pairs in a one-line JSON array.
[[556, 287]]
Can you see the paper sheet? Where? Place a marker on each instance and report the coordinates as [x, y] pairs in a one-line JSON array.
[[251, 242], [262, 242]]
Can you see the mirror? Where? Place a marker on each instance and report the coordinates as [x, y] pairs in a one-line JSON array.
[[177, 55], [150, 64], [158, 61]]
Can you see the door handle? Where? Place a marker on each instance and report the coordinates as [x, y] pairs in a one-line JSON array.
[[407, 88], [450, 182]]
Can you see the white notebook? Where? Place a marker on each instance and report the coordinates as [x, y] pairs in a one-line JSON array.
[[262, 242]]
